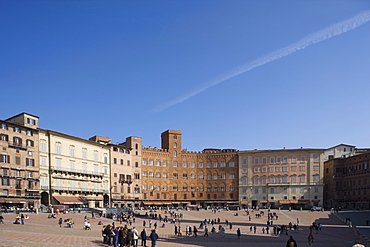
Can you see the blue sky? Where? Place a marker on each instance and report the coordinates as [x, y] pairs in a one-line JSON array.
[[108, 67]]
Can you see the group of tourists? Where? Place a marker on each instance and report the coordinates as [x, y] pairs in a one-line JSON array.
[[122, 236]]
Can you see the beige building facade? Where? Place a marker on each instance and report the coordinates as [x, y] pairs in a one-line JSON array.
[[19, 162], [73, 171], [286, 178], [125, 166]]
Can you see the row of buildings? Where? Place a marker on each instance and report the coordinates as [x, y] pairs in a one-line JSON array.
[[41, 167]]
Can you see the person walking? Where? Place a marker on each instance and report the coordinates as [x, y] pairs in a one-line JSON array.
[[238, 233], [310, 239], [154, 237], [135, 236], [22, 219], [291, 242], [1, 219], [206, 231], [143, 237], [60, 222]]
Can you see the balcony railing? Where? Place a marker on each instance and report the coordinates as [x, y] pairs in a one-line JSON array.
[[78, 189], [77, 171]]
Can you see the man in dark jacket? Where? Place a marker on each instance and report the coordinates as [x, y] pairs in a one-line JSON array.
[[154, 236], [143, 237], [291, 242]]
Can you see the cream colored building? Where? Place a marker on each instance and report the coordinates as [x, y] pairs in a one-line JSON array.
[[286, 178], [73, 171], [125, 165]]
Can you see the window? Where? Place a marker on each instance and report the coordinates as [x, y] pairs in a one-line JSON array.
[[185, 176], [256, 169], [144, 162], [316, 190], [4, 137], [175, 145], [192, 176], [294, 159], [5, 192], [272, 179], [157, 174], [264, 160], [223, 176], [316, 178], [285, 179], [255, 190], [256, 180], [302, 178], [96, 156], [121, 161], [151, 174], [272, 190], [72, 164], [231, 176], [272, 160], [215, 165], [302, 168], [209, 177], [285, 159], [58, 148], [264, 180], [192, 165], [201, 176], [128, 163], [31, 121], [4, 126], [114, 160], [231, 164], [278, 160], [17, 141], [4, 158], [184, 165], [175, 154], [256, 160], [215, 176], [208, 165], [29, 133], [294, 179], [316, 159], [30, 162], [43, 161], [145, 174], [303, 159], [175, 188], [201, 165], [29, 174], [72, 151], [164, 175], [5, 182], [285, 168], [272, 169], [174, 164], [151, 162], [294, 168], [84, 153], [223, 164], [316, 168], [244, 161], [16, 129], [278, 169], [175, 176], [157, 163], [278, 180]]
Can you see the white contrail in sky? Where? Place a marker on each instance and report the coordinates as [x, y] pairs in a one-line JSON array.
[[324, 34]]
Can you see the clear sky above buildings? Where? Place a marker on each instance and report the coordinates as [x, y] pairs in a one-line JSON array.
[[228, 74]]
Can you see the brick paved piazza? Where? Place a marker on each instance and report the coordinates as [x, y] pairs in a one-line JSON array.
[[41, 231]]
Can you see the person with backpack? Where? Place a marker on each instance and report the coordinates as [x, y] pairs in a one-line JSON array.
[[291, 242]]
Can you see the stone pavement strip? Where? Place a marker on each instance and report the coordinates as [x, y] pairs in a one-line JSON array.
[[41, 231]]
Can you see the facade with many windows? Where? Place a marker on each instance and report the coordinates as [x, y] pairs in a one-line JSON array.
[[73, 171], [19, 162], [347, 182], [125, 165], [287, 178], [173, 176]]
